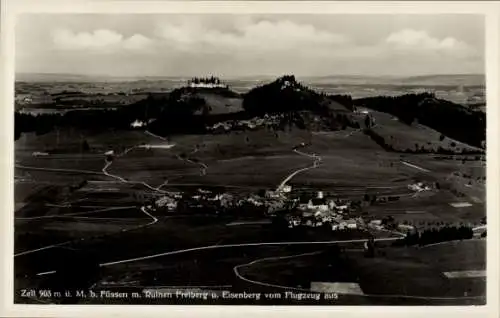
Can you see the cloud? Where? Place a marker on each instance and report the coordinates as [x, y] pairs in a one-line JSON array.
[[137, 42], [101, 40], [264, 39], [262, 36], [421, 41], [252, 46]]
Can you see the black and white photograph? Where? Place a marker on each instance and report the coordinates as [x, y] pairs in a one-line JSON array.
[[297, 159]]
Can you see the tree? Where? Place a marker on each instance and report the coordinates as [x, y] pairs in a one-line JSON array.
[[85, 146], [368, 122], [389, 222], [369, 248]]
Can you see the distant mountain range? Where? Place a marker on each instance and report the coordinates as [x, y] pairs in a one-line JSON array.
[[424, 80]]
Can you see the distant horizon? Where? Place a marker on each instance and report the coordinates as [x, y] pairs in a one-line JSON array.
[[277, 75]]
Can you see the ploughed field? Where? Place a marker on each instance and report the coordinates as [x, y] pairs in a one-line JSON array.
[[72, 204]]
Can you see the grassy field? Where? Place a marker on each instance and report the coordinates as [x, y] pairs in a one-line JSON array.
[[421, 271], [395, 271], [402, 136], [222, 105], [97, 215]]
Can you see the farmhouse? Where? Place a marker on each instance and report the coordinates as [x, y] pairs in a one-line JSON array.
[[318, 204], [167, 202], [419, 186], [24, 99], [137, 124]]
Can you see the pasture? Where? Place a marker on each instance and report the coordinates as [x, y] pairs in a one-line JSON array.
[[402, 136], [421, 271], [72, 202]]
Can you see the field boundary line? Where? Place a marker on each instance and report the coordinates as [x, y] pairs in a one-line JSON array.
[[414, 166], [57, 170], [73, 214], [143, 209]]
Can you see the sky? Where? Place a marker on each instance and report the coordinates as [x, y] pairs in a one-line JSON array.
[[249, 45]]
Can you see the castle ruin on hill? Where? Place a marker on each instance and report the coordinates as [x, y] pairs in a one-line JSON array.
[[208, 82]]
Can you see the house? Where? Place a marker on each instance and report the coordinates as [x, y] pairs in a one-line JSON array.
[[406, 227], [352, 224], [326, 219], [255, 202], [293, 221], [272, 194], [24, 98], [226, 199], [286, 189], [336, 206], [318, 204], [137, 124], [332, 204], [167, 202], [419, 186]]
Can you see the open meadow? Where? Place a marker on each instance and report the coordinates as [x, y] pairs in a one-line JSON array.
[[75, 201]]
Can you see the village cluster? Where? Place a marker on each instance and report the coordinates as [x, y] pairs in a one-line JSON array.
[[252, 123], [298, 210]]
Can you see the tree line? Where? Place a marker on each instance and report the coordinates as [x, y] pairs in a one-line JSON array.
[[431, 236]]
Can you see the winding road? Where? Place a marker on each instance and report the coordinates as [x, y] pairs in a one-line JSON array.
[[315, 164], [237, 273], [203, 167]]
